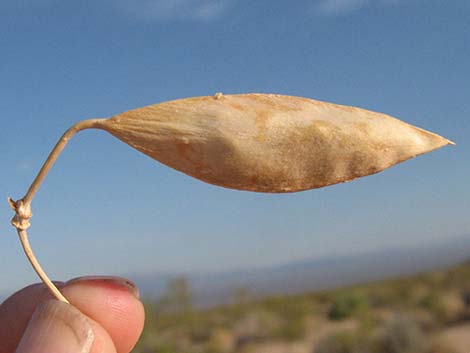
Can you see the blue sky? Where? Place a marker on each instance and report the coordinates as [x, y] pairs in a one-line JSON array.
[[106, 208]]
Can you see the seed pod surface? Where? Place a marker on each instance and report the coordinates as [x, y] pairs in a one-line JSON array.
[[270, 143]]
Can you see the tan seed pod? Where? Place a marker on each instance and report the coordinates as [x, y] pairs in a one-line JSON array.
[[269, 143], [256, 142]]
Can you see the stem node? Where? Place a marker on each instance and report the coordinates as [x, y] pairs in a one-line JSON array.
[[22, 214]]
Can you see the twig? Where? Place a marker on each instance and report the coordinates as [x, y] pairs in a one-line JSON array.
[[22, 207]]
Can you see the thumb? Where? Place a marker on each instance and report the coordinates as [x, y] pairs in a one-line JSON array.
[[57, 327]]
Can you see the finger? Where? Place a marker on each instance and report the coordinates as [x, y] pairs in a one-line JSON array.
[[60, 327], [16, 311], [103, 342], [57, 327], [109, 302], [113, 303]]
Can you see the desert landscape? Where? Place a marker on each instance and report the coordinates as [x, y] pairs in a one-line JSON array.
[[424, 313]]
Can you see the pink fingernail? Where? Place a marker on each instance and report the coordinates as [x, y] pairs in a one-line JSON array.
[[111, 280]]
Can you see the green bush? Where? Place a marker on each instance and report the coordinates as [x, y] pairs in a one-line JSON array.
[[348, 305]]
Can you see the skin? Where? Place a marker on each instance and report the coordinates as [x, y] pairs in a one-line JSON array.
[[111, 305]]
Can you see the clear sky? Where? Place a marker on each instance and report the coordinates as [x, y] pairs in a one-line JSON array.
[[106, 208]]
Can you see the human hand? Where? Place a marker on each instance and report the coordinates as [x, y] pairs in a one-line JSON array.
[[106, 316]]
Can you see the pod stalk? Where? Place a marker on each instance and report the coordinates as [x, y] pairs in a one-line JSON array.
[[22, 207]]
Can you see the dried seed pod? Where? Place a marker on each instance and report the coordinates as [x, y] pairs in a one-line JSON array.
[[256, 142], [269, 143]]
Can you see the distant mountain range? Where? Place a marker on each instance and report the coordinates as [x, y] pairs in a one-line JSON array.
[[311, 274], [314, 274]]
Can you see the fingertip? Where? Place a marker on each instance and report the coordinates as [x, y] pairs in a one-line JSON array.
[[112, 303]]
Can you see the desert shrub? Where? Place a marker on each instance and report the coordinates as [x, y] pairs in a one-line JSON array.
[[401, 334], [177, 298], [259, 323], [465, 293], [445, 306], [294, 317], [291, 330], [347, 305], [290, 316], [343, 342], [430, 301], [433, 304]]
